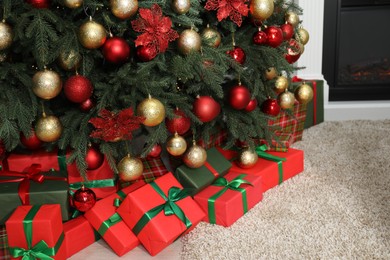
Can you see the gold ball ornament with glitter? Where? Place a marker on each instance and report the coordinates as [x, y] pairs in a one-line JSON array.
[[48, 128], [73, 4], [247, 158], [286, 100], [69, 60], [303, 36], [6, 35], [152, 110], [47, 84], [92, 35], [303, 93], [195, 156], [181, 6], [271, 73], [130, 168], [292, 18], [281, 84], [176, 145], [261, 9], [189, 40], [211, 37], [124, 9]]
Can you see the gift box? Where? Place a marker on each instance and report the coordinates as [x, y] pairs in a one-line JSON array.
[[230, 197], [78, 235], [280, 143], [109, 224], [32, 187], [159, 212], [36, 232], [273, 167], [194, 180]]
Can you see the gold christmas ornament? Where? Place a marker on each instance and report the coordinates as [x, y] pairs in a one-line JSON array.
[[48, 128], [6, 35], [152, 110], [261, 9], [247, 158], [124, 9], [92, 35], [271, 73], [292, 18], [189, 40], [181, 6], [302, 36], [211, 37], [286, 100], [281, 84], [47, 84], [195, 156], [176, 145], [303, 93], [73, 4], [130, 168], [69, 60]]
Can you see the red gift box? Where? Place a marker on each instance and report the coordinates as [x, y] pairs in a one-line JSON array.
[[160, 212], [272, 172], [109, 224], [36, 231], [78, 235], [230, 197]]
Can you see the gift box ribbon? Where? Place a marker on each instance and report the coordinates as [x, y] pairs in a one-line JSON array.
[[232, 185], [39, 251], [261, 152], [314, 83], [91, 184], [169, 208]]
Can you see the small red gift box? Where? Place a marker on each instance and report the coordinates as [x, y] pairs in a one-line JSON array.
[[230, 197], [78, 235], [36, 232], [159, 212]]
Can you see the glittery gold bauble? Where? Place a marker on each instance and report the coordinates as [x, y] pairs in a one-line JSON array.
[[195, 156], [124, 9], [152, 110], [211, 37], [6, 36], [48, 128], [286, 100], [303, 93], [69, 60], [271, 73], [281, 84], [130, 168], [181, 6], [247, 158], [303, 36], [46, 84], [292, 18], [261, 9], [73, 3], [92, 35], [176, 145], [189, 40]]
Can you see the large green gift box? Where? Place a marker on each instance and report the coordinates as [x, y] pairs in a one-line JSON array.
[[194, 180]]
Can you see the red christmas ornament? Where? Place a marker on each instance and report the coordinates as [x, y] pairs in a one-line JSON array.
[[239, 97], [260, 38], [180, 124], [270, 107], [251, 105], [87, 105], [78, 88], [293, 51], [206, 108], [234, 9], [32, 142], [94, 158], [274, 35], [155, 152], [145, 53], [287, 30], [116, 50], [84, 199], [39, 3], [237, 54]]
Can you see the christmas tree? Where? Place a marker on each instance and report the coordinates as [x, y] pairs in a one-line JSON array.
[[92, 76]]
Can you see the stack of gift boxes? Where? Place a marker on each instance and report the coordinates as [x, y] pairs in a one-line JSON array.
[[36, 193]]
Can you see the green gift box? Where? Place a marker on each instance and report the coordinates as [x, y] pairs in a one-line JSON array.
[[194, 180], [32, 188]]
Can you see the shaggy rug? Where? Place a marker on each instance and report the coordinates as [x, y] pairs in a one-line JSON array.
[[337, 208]]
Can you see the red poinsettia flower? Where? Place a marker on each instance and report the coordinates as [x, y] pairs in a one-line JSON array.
[[234, 9]]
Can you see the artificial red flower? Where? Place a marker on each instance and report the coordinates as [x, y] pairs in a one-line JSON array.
[[234, 9]]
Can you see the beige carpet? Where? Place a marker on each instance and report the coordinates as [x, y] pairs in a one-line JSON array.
[[338, 208]]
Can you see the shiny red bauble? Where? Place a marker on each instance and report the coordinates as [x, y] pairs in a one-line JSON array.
[[287, 30], [84, 199], [145, 53], [239, 97], [237, 54], [206, 108], [31, 142], [180, 123], [116, 50], [78, 89], [251, 105], [94, 158], [293, 51], [39, 3], [274, 35], [270, 107], [260, 38], [87, 105], [155, 152]]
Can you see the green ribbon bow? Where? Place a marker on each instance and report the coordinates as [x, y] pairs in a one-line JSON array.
[[91, 184], [41, 250], [232, 185], [260, 150], [169, 207]]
